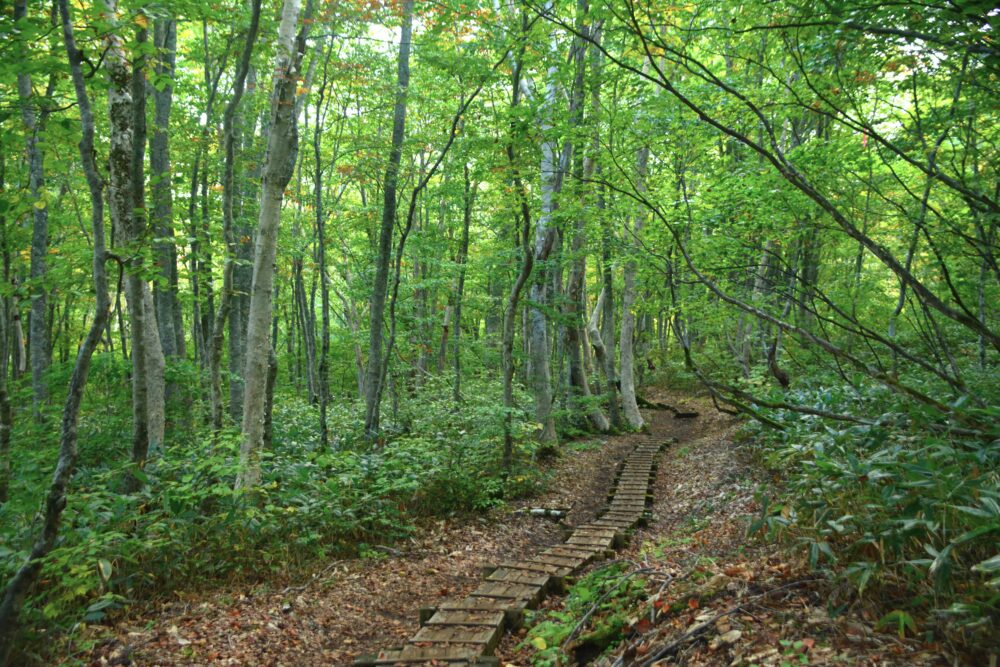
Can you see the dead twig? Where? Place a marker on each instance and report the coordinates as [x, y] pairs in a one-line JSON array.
[[315, 577], [696, 630]]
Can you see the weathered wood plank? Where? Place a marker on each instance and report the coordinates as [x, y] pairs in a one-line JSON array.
[[417, 654], [532, 565], [457, 634], [466, 617], [505, 591], [519, 577], [603, 542]]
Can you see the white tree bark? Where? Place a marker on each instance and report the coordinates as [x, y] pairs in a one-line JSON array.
[[627, 343], [155, 383], [279, 164], [538, 340]]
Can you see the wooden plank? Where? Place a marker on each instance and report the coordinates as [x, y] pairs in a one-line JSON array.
[[594, 531], [531, 565], [634, 508], [617, 524], [585, 552], [603, 542], [571, 562], [466, 617], [610, 527], [519, 577], [471, 603], [505, 591], [567, 563], [457, 634], [413, 655]]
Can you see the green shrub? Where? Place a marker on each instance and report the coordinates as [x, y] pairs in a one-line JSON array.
[[899, 506]]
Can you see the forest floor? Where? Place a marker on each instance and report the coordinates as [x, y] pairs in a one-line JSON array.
[[744, 601]]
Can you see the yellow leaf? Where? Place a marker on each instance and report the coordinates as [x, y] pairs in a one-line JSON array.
[[539, 643], [40, 204], [141, 21]]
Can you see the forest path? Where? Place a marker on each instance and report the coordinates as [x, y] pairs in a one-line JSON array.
[[465, 631], [715, 597], [360, 606]]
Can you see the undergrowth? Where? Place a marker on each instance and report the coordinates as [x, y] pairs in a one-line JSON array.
[[902, 511], [187, 527], [593, 619]]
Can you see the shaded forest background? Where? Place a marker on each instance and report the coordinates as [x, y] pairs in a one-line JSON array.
[[281, 278]]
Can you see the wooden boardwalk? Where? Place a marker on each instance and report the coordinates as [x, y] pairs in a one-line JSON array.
[[467, 631]]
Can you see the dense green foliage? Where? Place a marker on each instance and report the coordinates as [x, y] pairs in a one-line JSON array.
[[897, 508]]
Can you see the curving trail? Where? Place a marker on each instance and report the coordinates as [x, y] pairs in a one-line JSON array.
[[466, 631]]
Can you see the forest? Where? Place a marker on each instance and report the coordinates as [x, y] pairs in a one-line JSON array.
[[294, 290]]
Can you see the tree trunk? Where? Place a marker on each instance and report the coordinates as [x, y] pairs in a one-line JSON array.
[[34, 115], [463, 258], [282, 150], [373, 374], [228, 195], [626, 345], [6, 415], [155, 384], [578, 386], [167, 307], [539, 350], [607, 308], [126, 109], [23, 580], [324, 283]]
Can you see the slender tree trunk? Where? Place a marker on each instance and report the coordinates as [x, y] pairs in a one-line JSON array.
[[33, 115], [167, 306], [324, 283], [282, 150], [463, 259], [6, 415], [539, 349], [228, 195], [583, 167], [126, 109], [307, 313], [373, 375], [628, 329], [22, 581], [156, 392], [272, 380]]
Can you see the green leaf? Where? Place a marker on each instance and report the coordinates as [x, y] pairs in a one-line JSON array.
[[988, 565], [104, 569], [901, 620]]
